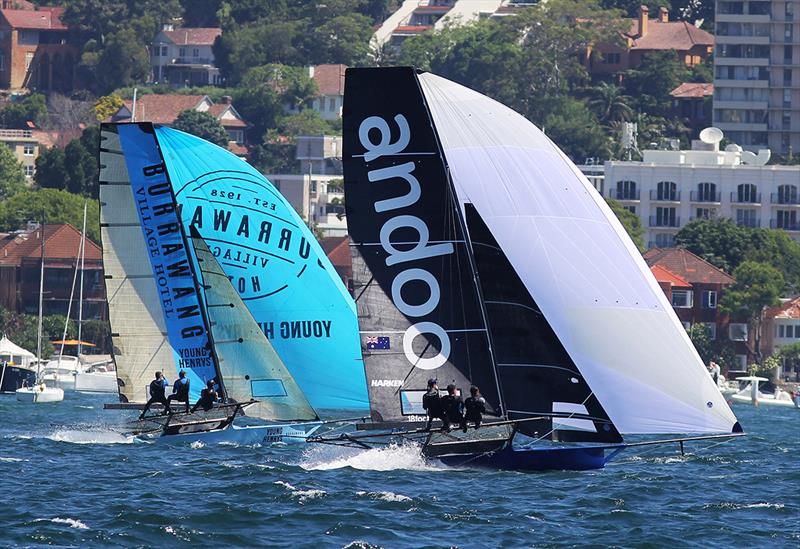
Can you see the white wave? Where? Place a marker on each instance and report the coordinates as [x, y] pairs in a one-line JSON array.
[[390, 458], [196, 445], [86, 407], [10, 459], [73, 523], [301, 495], [385, 496], [90, 437]]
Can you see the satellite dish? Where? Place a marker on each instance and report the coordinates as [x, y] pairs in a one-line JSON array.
[[711, 135], [734, 148]]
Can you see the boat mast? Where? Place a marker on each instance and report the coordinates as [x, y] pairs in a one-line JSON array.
[[473, 267], [80, 295], [69, 305], [41, 305]]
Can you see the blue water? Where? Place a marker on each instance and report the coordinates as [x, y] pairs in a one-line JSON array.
[[68, 481]]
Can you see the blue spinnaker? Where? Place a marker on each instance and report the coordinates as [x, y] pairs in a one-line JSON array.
[[276, 265], [169, 258]]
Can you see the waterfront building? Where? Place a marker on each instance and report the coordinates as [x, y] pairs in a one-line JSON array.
[[694, 287], [781, 328], [757, 73], [185, 56], [20, 264], [669, 188]]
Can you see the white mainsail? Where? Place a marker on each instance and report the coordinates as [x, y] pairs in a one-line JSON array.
[[140, 342], [578, 263]]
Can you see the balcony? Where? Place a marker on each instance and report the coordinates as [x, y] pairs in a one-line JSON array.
[[785, 224], [656, 196], [752, 82], [624, 195], [656, 221], [705, 197], [754, 199], [192, 61], [779, 199]]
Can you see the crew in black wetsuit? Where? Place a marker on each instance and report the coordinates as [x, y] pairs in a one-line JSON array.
[[432, 403], [208, 397], [474, 408], [452, 408], [180, 391], [157, 390]]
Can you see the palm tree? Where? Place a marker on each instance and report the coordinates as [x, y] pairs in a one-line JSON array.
[[611, 103]]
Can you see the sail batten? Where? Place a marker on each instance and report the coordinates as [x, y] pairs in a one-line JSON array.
[[576, 261]]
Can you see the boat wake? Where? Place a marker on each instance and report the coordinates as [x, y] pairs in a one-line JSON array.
[[75, 436], [390, 458], [72, 523]]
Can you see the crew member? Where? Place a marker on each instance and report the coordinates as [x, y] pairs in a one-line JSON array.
[[474, 408], [208, 397], [432, 403], [180, 391], [157, 389], [452, 408]]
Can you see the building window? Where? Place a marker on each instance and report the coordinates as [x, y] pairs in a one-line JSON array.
[[195, 52], [712, 330], [626, 190], [781, 331], [164, 51], [737, 331], [787, 219], [182, 52], [707, 192], [612, 58], [787, 77], [747, 193], [787, 53], [789, 331], [666, 190], [682, 299], [706, 213], [665, 240], [28, 149], [746, 218], [631, 209], [709, 299], [29, 170], [787, 194]]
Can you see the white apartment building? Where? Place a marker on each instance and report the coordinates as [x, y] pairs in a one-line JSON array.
[[669, 188], [185, 56], [757, 73]]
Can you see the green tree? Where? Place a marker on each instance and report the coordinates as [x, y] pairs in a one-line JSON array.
[[650, 83], [203, 125], [23, 330], [58, 207], [610, 101], [33, 108], [629, 220], [81, 168], [757, 287], [50, 170], [122, 62], [343, 39], [719, 241], [12, 178]]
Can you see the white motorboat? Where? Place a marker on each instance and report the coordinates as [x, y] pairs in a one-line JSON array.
[[60, 371], [97, 378], [40, 393], [751, 395]]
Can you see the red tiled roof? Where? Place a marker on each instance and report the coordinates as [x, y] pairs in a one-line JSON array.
[[218, 109], [61, 241], [672, 35], [790, 309], [686, 265], [330, 79], [43, 19], [413, 28], [162, 109], [193, 37], [337, 248], [693, 89], [238, 150], [663, 275]]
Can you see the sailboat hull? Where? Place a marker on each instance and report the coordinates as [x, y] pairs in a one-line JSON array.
[[534, 459], [288, 433]]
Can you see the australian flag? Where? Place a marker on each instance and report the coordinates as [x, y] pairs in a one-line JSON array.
[[379, 343]]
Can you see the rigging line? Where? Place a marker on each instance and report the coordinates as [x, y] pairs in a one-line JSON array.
[[364, 288], [553, 430]]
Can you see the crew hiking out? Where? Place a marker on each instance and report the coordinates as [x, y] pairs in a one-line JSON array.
[[208, 397], [180, 391], [432, 403], [157, 394], [452, 408], [475, 407]]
